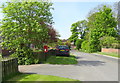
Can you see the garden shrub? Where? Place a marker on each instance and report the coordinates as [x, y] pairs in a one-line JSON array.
[[85, 46], [78, 43], [25, 56], [109, 42], [116, 45]]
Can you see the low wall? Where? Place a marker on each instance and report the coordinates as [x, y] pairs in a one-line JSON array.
[[110, 50]]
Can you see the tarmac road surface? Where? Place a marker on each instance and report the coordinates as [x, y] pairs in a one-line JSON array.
[[90, 67]]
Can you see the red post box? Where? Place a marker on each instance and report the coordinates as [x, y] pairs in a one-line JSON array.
[[45, 48]]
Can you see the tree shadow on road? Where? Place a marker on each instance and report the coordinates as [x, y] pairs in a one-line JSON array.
[[90, 63], [29, 73], [78, 57]]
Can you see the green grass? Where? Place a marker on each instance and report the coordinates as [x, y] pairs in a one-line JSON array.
[[62, 60], [11, 76], [109, 54], [22, 78]]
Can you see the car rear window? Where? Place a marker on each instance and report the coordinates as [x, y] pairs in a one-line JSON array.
[[63, 47]]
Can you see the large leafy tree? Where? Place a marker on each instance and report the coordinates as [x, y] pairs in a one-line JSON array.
[[53, 35], [78, 30], [82, 26], [118, 9], [26, 23], [101, 23], [75, 33], [118, 18]]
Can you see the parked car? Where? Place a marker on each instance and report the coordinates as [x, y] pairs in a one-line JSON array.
[[62, 50]]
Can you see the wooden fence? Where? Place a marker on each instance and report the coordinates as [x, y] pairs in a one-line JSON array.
[[9, 67], [42, 55]]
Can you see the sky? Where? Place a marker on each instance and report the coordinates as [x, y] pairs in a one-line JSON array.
[[67, 12]]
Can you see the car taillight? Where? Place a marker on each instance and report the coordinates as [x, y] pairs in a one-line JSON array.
[[67, 49]]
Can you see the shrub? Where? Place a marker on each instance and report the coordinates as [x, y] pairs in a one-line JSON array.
[[36, 61], [108, 42], [116, 45], [85, 46], [89, 46], [25, 56], [78, 43]]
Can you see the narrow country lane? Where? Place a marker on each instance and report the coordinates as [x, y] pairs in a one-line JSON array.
[[90, 67]]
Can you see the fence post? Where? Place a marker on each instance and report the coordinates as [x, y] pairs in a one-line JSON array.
[[16, 66], [0, 70]]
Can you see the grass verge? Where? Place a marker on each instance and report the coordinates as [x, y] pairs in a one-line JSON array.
[[10, 76], [62, 60], [22, 78], [109, 54]]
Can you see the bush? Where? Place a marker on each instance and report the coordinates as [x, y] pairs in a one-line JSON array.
[[90, 46], [25, 56], [78, 43], [85, 46], [109, 42], [116, 45], [36, 61]]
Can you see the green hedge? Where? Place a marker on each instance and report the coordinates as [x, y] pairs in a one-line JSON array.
[[78, 43], [109, 42], [85, 46]]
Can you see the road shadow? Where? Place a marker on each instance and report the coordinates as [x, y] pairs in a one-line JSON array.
[[90, 63], [29, 73], [78, 57]]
